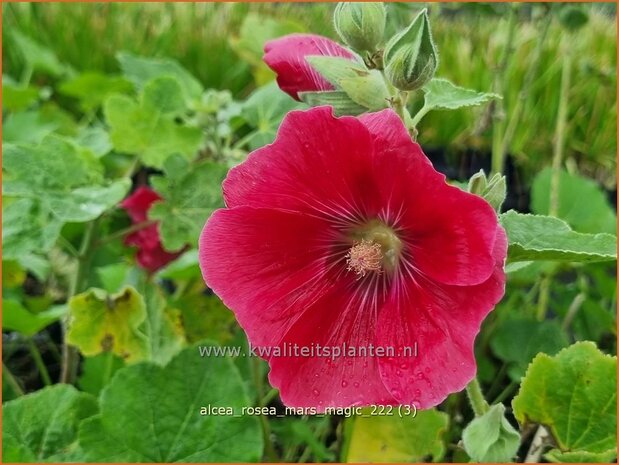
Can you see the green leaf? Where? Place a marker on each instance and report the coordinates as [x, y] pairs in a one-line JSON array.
[[163, 94], [97, 371], [43, 426], [16, 97], [557, 456], [490, 437], [340, 101], [140, 70], [152, 414], [148, 128], [17, 318], [188, 202], [440, 93], [112, 277], [92, 88], [334, 69], [264, 110], [37, 56], [364, 87], [163, 327], [100, 322], [517, 340], [96, 139], [27, 227], [369, 91], [206, 317], [187, 266], [536, 237], [574, 395], [61, 178], [581, 202], [26, 126], [384, 438]]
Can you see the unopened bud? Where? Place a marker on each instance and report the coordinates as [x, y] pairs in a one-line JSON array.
[[360, 25], [410, 56], [493, 190]]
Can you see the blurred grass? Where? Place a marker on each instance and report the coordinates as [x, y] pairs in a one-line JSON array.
[[470, 38]]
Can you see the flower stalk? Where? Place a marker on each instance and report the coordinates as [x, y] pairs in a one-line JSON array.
[[476, 398], [70, 357]]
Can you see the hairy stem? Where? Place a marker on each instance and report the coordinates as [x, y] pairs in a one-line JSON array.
[[476, 398]]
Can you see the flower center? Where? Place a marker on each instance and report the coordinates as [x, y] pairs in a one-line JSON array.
[[375, 247], [364, 256]]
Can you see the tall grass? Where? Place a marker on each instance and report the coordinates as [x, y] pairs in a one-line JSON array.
[[87, 36]]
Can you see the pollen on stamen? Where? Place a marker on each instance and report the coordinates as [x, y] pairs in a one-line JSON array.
[[364, 256]]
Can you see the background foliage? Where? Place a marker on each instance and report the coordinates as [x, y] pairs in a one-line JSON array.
[[101, 98]]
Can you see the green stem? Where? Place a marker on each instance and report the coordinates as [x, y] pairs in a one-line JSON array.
[[38, 361], [70, 357], [476, 398], [423, 111], [107, 369], [498, 117], [123, 232], [505, 393], [543, 298], [11, 380], [559, 139], [269, 450]]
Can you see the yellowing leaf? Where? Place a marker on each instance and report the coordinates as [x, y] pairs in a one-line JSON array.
[[100, 322], [385, 438]]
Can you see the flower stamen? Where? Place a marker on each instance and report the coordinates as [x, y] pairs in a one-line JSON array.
[[364, 256]]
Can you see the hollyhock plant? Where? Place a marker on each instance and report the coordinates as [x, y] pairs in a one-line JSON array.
[[341, 231], [286, 56], [151, 256]]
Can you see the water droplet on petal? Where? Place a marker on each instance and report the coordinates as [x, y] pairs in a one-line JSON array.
[[404, 366], [420, 375], [417, 393], [356, 384], [427, 370], [344, 384], [316, 392]]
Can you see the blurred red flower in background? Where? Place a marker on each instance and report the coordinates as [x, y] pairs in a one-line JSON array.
[[151, 256], [341, 231], [286, 56]]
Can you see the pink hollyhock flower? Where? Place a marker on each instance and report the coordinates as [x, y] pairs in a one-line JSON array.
[[286, 56], [341, 231], [151, 255]]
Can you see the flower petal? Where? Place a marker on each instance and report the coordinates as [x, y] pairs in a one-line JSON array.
[[441, 322], [138, 203], [449, 232], [268, 266], [344, 320], [286, 56], [318, 164]]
